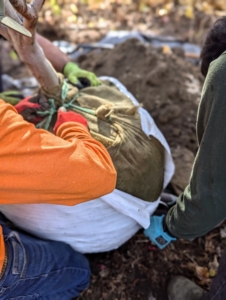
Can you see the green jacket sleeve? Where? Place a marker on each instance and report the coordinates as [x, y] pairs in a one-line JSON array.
[[202, 206]]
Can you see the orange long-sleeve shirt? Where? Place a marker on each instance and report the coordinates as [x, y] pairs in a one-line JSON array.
[[39, 167]]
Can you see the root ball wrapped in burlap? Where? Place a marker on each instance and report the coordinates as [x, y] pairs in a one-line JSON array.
[[115, 122]]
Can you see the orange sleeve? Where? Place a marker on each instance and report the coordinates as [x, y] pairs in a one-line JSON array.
[[39, 167]]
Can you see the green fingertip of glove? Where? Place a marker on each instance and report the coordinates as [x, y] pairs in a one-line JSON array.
[[69, 68], [73, 73]]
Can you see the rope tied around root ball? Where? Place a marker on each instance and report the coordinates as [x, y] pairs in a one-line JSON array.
[[103, 112]]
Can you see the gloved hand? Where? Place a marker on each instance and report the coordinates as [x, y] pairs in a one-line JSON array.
[[79, 77], [156, 233], [28, 109], [25, 104], [70, 116], [11, 97]]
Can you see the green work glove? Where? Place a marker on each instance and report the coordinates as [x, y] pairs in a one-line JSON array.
[[11, 97], [79, 77]]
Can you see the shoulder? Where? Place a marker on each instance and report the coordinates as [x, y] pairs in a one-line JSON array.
[[218, 66]]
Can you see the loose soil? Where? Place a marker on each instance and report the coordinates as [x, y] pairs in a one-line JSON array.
[[137, 270]]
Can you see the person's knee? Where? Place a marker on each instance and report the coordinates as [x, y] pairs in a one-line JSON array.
[[84, 280], [84, 273]]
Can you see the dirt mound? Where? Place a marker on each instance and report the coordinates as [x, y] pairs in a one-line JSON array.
[[165, 83]]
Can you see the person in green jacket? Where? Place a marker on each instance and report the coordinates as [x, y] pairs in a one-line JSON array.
[[202, 206]]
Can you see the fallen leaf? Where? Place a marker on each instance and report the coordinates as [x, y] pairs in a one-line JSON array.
[[223, 232], [213, 267], [104, 272], [201, 272]]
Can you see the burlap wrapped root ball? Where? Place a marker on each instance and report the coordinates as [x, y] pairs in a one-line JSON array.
[[115, 122]]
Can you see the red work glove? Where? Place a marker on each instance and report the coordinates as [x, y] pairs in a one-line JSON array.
[[28, 109], [69, 116]]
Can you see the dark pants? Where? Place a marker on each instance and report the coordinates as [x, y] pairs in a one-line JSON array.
[[39, 269], [218, 286]]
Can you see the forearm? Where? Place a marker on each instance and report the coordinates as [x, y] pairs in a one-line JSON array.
[[57, 58], [39, 167], [202, 206]]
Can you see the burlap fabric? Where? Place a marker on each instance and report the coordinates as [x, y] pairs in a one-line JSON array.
[[115, 122]]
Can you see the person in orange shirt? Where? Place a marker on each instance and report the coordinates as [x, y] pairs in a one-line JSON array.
[[36, 166]]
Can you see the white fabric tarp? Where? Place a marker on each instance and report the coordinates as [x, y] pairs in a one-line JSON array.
[[99, 225]]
